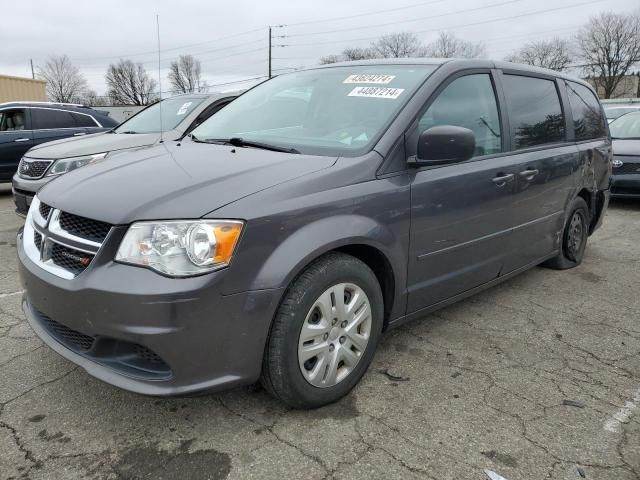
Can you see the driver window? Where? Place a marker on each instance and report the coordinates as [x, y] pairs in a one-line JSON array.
[[468, 102]]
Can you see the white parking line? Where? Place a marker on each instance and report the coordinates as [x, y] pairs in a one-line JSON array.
[[613, 423], [2, 295], [493, 475]]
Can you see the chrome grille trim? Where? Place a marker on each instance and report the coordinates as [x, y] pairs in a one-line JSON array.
[[52, 234], [33, 168]]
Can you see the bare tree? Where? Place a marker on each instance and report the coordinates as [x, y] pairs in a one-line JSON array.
[[359, 53], [184, 74], [554, 54], [130, 84], [91, 98], [447, 45], [398, 45], [609, 45], [65, 83], [327, 59]]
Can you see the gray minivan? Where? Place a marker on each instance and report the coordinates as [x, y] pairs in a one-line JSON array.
[[317, 210]]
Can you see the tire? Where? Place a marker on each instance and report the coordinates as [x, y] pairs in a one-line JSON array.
[[303, 326], [576, 229]]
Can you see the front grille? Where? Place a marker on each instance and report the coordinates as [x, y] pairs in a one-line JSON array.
[[37, 239], [146, 355], [627, 168], [65, 335], [86, 228], [615, 190], [44, 210], [70, 259], [33, 168], [129, 358]]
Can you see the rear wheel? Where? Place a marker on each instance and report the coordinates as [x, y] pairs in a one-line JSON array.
[[574, 237], [325, 333]]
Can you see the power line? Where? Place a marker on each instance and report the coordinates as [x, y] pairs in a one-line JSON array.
[[347, 17], [482, 22], [174, 48], [419, 19]]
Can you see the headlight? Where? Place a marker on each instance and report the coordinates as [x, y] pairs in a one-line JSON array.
[[180, 248], [65, 165]]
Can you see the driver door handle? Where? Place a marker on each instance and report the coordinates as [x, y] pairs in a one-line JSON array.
[[529, 173], [502, 179], [79, 134], [22, 139]]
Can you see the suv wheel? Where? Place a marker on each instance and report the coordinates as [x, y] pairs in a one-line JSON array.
[[574, 237], [325, 333]]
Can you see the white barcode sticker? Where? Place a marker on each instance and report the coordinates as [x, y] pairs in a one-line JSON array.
[[370, 78], [376, 92]]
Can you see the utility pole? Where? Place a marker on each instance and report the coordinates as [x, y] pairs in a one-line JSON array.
[[33, 75], [269, 51]]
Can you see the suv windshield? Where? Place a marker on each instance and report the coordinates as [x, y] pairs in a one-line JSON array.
[[331, 111], [613, 113], [627, 126], [174, 110]]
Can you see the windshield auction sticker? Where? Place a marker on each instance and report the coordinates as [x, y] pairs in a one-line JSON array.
[[183, 109], [370, 78], [376, 92]]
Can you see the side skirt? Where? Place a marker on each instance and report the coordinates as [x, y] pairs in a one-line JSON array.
[[461, 296]]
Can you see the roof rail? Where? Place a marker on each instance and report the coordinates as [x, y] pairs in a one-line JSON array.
[[29, 102]]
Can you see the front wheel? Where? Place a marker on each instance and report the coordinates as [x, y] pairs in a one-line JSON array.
[[325, 332], [574, 237]]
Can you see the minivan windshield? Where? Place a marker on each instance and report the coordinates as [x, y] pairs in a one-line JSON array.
[[174, 111], [328, 111], [627, 126]]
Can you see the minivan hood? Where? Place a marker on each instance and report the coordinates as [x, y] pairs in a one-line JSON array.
[[173, 181], [626, 147], [95, 143]]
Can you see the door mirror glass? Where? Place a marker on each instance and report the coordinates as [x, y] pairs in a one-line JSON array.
[[445, 144]]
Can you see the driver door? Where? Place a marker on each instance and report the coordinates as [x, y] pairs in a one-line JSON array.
[[461, 213]]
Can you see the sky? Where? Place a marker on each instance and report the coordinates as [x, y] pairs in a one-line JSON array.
[[231, 38]]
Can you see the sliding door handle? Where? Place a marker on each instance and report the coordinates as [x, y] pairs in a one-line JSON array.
[[502, 179]]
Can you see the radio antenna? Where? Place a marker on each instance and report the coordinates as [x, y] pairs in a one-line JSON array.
[[159, 77]]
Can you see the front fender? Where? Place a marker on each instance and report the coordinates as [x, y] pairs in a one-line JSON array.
[[317, 238]]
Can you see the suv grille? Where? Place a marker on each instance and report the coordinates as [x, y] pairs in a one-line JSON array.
[[44, 210], [33, 168], [627, 168], [86, 228], [37, 239], [70, 259]]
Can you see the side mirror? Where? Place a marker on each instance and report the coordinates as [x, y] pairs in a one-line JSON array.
[[444, 144]]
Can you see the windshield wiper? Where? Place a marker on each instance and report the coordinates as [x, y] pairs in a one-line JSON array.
[[240, 142]]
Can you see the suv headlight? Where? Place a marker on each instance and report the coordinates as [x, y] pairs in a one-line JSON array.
[[180, 248], [65, 165]]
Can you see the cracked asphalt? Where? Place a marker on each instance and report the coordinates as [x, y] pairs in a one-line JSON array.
[[538, 378]]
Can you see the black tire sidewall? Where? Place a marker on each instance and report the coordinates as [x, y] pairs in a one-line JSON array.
[[308, 288], [578, 205]]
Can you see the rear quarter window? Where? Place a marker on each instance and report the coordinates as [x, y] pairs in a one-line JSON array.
[[535, 112], [588, 119]]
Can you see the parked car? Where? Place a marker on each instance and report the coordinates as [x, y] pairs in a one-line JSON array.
[[45, 162], [625, 132], [614, 111], [25, 124], [288, 231]]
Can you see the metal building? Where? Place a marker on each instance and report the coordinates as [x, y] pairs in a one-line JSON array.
[[22, 89]]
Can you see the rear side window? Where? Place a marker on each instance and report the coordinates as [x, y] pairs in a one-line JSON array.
[[588, 120], [535, 113], [44, 118], [83, 120], [468, 102]]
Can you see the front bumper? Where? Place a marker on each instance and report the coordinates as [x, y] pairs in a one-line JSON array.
[[202, 340], [23, 191], [625, 185]]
